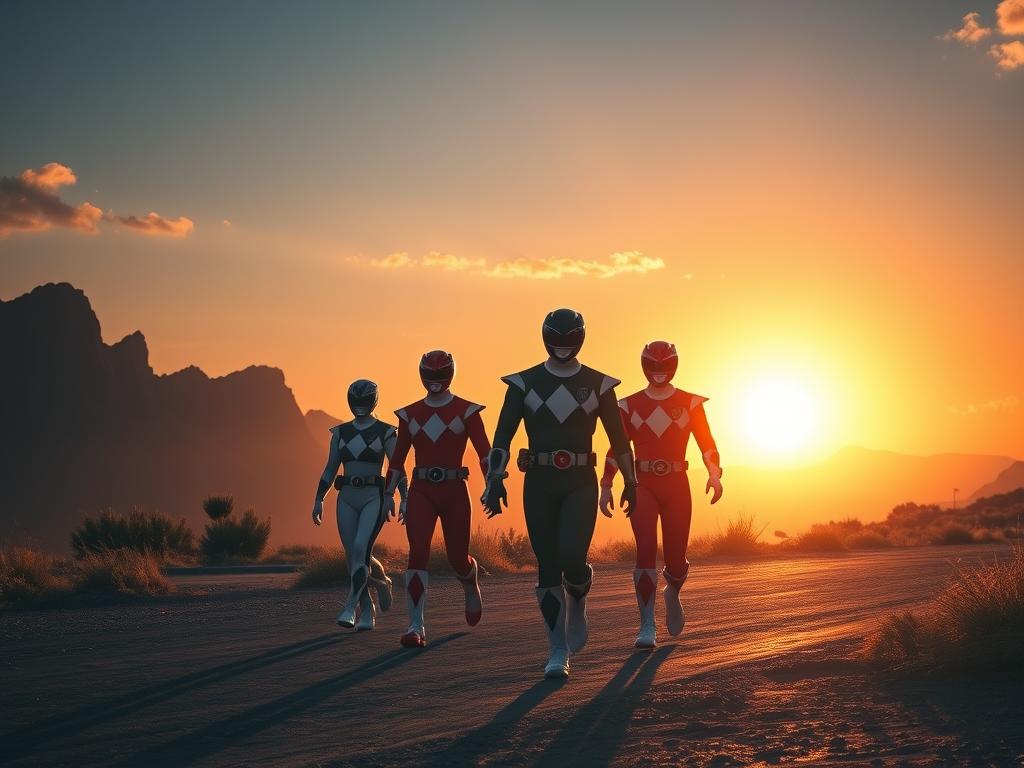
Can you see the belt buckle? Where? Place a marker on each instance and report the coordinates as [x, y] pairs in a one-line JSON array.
[[435, 474], [357, 482], [561, 459], [660, 467]]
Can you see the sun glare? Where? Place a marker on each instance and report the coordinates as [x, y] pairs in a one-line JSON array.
[[780, 416]]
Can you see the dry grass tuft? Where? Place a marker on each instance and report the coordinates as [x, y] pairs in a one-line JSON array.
[[120, 572], [740, 538], [32, 578], [975, 625], [28, 576]]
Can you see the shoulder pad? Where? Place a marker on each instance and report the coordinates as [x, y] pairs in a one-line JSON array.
[[607, 382], [695, 400], [402, 414], [472, 408], [624, 404], [515, 379]]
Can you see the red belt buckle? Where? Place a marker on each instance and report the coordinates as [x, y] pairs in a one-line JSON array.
[[561, 459]]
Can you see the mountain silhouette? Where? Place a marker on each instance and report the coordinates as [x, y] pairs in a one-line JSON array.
[[89, 425], [1010, 479], [853, 482], [320, 423]]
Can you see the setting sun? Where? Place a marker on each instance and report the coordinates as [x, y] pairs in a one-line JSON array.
[[779, 416]]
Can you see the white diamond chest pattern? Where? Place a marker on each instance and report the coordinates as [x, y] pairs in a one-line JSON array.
[[658, 420], [356, 445], [561, 403]]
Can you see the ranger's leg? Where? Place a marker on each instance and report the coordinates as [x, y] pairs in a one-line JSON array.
[[578, 516], [455, 523], [378, 576], [644, 521], [348, 527], [369, 526], [542, 526], [420, 520], [675, 533]]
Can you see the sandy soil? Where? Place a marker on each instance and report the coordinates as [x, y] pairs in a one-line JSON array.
[[238, 671]]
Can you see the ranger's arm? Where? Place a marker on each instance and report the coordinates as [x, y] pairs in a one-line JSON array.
[[327, 478], [403, 485], [611, 418], [497, 463], [708, 449]]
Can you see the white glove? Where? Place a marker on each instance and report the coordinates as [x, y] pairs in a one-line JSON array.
[[318, 512], [388, 509], [606, 502], [402, 507]]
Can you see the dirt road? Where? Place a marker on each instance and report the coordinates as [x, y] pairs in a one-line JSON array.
[[250, 673]]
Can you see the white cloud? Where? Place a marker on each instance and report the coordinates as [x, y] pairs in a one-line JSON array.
[[971, 32]]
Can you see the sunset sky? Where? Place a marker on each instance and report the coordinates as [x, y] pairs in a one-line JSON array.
[[821, 204]]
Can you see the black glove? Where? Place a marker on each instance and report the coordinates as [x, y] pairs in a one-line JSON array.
[[628, 500], [494, 496]]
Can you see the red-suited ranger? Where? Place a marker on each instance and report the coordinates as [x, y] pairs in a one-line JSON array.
[[659, 421]]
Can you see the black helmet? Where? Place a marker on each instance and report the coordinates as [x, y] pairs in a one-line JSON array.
[[564, 329], [362, 397]]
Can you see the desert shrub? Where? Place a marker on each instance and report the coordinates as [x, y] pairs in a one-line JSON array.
[[822, 538], [517, 548], [953, 534], [739, 538], [28, 576], [120, 572], [227, 538], [324, 567], [289, 554], [615, 551], [870, 539], [976, 624], [139, 530], [218, 507]]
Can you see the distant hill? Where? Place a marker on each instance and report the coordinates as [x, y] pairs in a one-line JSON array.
[[853, 482], [320, 423], [88, 425], [1010, 479]]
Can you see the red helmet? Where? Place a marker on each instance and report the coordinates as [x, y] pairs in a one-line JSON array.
[[659, 359], [437, 367]]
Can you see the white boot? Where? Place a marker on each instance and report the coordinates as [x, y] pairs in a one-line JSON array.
[[576, 612], [384, 593], [471, 586], [552, 607], [416, 601], [347, 617], [366, 612], [645, 582], [674, 616], [382, 584]]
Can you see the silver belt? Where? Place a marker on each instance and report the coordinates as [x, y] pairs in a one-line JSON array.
[[662, 467]]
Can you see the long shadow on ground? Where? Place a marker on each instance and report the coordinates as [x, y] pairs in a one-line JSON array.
[[595, 733], [24, 740], [233, 730]]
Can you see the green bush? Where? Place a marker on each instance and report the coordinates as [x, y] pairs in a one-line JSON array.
[[230, 539], [139, 530], [218, 507]]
